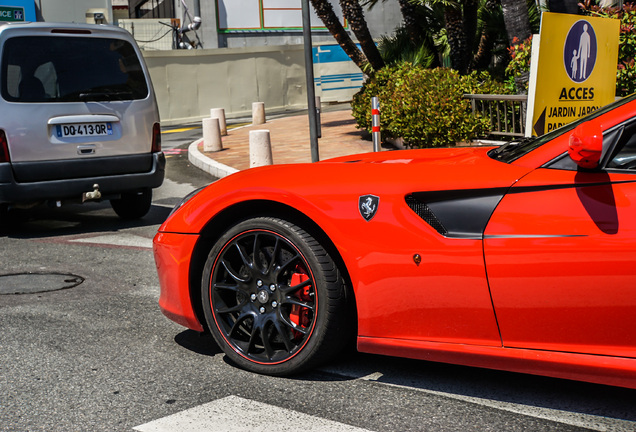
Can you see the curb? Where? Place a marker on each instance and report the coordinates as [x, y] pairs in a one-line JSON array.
[[206, 164]]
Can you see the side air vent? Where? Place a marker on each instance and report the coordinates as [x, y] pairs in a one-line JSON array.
[[423, 211]]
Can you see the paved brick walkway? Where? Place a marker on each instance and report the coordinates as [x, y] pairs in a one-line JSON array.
[[290, 140]]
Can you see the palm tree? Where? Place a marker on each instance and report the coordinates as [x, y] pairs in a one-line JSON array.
[[410, 22], [564, 6], [516, 19], [352, 11], [491, 34], [456, 36], [399, 48], [471, 11], [419, 40], [456, 28], [325, 12], [455, 31], [461, 23]]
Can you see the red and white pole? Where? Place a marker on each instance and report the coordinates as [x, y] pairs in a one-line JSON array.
[[375, 123]]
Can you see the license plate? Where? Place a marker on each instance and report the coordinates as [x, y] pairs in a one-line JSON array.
[[83, 129]]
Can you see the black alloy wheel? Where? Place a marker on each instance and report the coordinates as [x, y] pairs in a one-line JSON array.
[[273, 298]]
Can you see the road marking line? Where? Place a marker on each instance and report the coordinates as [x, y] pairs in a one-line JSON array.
[[238, 125], [185, 129], [235, 414], [175, 151], [588, 421], [123, 239]]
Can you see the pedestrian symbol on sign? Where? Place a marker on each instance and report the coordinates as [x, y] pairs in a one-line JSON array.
[[18, 15], [579, 51]]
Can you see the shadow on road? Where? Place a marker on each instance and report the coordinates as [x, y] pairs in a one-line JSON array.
[[471, 383], [200, 343], [74, 219], [501, 390]]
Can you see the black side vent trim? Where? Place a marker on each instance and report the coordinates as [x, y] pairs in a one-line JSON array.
[[457, 213], [423, 211]]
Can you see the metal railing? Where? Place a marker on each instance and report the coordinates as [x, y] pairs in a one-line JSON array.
[[507, 113]]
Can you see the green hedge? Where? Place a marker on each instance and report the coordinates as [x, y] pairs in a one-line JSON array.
[[424, 106]]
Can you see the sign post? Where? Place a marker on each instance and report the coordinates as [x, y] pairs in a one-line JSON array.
[[311, 91], [575, 71]]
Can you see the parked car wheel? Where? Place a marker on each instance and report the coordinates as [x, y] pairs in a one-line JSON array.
[[133, 205], [273, 298], [4, 215]]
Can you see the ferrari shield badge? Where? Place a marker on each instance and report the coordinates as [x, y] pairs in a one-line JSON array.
[[368, 206]]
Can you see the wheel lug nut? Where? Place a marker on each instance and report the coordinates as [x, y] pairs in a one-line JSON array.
[[253, 297], [272, 287], [274, 304], [259, 283], [262, 310]]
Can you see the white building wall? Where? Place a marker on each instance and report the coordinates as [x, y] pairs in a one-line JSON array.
[[382, 19], [188, 83], [74, 10]]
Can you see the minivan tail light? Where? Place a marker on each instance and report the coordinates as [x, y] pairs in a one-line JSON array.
[[4, 148], [156, 138]]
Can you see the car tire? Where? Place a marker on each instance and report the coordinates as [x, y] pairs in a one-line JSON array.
[[4, 218], [274, 299], [133, 205]]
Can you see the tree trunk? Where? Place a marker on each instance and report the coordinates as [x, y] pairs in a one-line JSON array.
[[516, 19], [456, 39], [482, 57], [325, 12], [353, 13], [471, 7], [564, 6], [410, 22]]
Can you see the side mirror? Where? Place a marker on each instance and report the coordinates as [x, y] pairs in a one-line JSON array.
[[586, 145]]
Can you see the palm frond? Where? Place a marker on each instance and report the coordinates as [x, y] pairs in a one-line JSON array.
[[399, 48]]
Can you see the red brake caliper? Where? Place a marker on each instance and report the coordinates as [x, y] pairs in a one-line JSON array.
[[300, 315]]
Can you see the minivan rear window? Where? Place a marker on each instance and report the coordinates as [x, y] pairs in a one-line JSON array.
[[70, 69]]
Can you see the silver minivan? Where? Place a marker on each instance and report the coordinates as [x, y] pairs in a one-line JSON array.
[[78, 118]]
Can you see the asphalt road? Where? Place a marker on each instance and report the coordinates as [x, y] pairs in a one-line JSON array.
[[97, 354]]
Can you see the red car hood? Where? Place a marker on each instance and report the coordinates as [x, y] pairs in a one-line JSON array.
[[431, 169], [390, 172], [330, 184]]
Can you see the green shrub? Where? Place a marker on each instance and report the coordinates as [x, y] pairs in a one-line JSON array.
[[424, 106], [518, 68]]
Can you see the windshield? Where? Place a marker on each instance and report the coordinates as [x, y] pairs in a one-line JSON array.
[[71, 69], [513, 150]]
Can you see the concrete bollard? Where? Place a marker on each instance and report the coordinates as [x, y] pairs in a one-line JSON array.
[[212, 135], [258, 113], [219, 113], [260, 148]]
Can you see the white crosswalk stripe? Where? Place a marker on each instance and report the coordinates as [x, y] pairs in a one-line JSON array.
[[120, 239], [236, 414]]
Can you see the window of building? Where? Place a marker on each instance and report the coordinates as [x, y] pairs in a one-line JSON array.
[[262, 15]]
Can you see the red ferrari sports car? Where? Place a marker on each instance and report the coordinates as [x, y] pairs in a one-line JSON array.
[[520, 257]]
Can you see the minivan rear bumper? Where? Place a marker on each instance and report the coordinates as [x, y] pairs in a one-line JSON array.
[[12, 191]]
